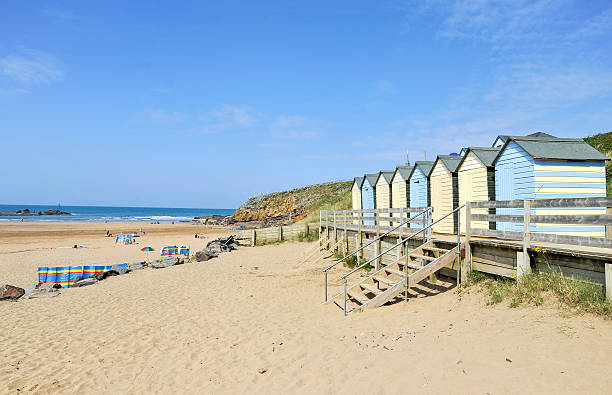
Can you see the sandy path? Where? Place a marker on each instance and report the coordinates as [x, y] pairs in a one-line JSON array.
[[209, 327]]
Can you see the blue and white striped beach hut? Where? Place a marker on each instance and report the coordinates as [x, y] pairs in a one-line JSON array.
[[529, 168], [368, 196], [419, 185]]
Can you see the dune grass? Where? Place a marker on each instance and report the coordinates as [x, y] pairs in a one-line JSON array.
[[534, 288], [342, 201]]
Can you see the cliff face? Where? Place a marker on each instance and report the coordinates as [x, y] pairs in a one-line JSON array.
[[294, 203]]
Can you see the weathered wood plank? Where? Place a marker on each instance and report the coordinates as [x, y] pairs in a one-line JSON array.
[[573, 202], [500, 234], [498, 204], [573, 240]]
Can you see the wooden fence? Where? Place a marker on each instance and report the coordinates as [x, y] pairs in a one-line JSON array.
[[277, 233]]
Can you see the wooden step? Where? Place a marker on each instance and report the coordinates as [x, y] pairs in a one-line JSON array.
[[410, 265], [384, 280], [396, 272], [357, 296], [370, 288], [417, 256], [436, 249]]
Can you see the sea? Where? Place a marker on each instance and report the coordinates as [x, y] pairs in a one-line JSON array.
[[110, 214]]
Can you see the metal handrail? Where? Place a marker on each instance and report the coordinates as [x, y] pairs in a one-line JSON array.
[[404, 241], [376, 239]]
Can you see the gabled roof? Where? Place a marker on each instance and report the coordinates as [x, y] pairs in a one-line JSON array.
[[387, 175], [425, 166], [504, 138], [450, 161], [358, 181], [557, 148], [404, 171], [485, 154], [371, 179]]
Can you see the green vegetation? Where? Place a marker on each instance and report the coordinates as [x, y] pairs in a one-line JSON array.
[[308, 236], [533, 288], [603, 143], [342, 201]]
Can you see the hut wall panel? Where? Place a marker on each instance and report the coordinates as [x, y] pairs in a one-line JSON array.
[[560, 179], [356, 198], [367, 200], [419, 191], [514, 180], [399, 193], [442, 197], [473, 187], [383, 198]]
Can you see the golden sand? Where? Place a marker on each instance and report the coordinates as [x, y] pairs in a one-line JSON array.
[[252, 321]]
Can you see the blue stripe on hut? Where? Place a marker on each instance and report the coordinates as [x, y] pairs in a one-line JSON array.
[[367, 196], [419, 186], [542, 168]]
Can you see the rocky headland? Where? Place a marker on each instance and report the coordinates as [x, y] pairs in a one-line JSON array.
[[28, 213]]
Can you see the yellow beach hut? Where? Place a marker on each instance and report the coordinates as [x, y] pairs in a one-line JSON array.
[[400, 188], [383, 192], [477, 182], [356, 194], [444, 186]]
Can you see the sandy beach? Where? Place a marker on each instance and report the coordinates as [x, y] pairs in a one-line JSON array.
[[252, 320]]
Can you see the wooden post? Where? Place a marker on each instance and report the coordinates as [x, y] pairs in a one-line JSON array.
[[359, 236], [378, 243], [401, 232], [335, 230], [609, 281], [609, 227], [522, 265], [307, 232], [345, 241], [253, 238], [320, 224], [280, 233], [468, 234]]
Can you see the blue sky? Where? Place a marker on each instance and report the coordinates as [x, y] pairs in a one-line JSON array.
[[204, 104]]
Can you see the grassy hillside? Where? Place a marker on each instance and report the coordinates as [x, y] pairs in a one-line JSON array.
[[296, 204], [603, 143]]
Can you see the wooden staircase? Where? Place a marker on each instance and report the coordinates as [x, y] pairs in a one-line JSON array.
[[323, 249], [391, 280]]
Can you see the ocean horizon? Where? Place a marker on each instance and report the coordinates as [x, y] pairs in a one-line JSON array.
[[109, 213]]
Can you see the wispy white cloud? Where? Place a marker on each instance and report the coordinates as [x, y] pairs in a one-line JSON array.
[[297, 126], [225, 118], [17, 91], [31, 67], [381, 88]]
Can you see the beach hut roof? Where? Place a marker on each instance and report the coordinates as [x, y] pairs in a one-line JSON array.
[[425, 165], [504, 138], [371, 178], [450, 161], [358, 181], [404, 171], [486, 155], [557, 148], [387, 175]]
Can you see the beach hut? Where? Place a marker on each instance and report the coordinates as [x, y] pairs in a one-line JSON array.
[[383, 192], [356, 195], [400, 187], [368, 190], [419, 185], [477, 182], [444, 190], [544, 168]]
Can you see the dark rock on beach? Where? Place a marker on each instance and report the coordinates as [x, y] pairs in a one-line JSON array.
[[118, 270], [46, 290], [27, 213], [11, 292], [137, 266], [85, 282], [167, 262]]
